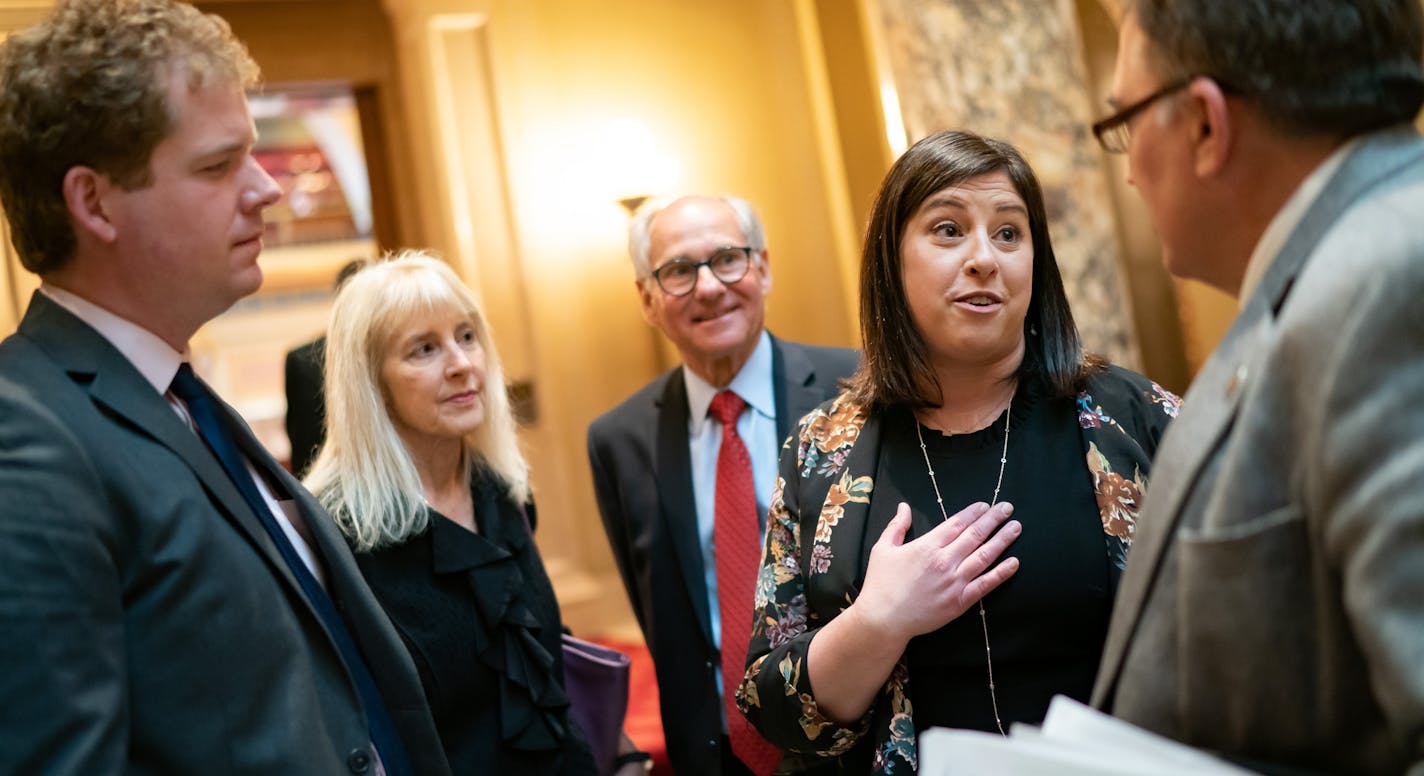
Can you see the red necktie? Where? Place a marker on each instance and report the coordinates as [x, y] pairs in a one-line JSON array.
[[737, 540]]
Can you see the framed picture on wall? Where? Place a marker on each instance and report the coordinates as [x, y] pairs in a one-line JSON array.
[[309, 140]]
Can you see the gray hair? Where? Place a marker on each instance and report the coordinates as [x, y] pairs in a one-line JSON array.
[[1328, 67], [639, 242], [363, 475]]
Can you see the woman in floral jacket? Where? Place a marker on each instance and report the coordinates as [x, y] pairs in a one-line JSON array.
[[895, 592]]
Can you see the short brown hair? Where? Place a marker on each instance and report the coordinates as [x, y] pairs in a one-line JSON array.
[[895, 369], [1328, 67], [89, 87]]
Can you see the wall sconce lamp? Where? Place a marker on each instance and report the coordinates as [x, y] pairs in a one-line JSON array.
[[631, 204], [633, 167]]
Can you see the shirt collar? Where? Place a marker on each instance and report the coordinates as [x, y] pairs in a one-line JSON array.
[[150, 355], [752, 383], [1287, 219]]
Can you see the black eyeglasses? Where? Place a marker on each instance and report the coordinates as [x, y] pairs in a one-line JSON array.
[[729, 265], [1113, 132]]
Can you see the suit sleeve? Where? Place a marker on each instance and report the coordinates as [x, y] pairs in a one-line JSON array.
[[776, 695], [615, 523], [1365, 479], [62, 688]]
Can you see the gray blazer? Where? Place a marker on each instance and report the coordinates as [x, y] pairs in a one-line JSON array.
[[1273, 604], [147, 623], [642, 476]]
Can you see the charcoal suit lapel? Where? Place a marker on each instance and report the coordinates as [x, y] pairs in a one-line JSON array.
[[672, 477], [117, 387], [793, 379]]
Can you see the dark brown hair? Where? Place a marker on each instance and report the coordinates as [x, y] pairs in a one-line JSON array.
[[1330, 67], [895, 368]]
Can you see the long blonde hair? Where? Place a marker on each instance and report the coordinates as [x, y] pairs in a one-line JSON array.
[[363, 474]]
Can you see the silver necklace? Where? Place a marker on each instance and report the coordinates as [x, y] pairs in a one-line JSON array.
[[983, 616]]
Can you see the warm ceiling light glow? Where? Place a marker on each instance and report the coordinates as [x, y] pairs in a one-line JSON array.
[[628, 162]]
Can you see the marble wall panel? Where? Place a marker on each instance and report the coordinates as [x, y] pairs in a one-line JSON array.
[[1013, 69]]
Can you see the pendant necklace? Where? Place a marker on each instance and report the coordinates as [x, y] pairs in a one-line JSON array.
[[983, 616]]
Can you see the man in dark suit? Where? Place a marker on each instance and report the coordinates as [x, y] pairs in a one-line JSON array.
[[305, 384], [657, 459], [304, 379], [171, 601], [1273, 606]]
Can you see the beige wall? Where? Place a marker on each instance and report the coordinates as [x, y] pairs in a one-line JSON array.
[[723, 90]]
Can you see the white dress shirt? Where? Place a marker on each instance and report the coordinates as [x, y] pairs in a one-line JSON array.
[[757, 428], [157, 362]]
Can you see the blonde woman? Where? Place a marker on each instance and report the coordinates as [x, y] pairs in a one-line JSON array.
[[422, 471]]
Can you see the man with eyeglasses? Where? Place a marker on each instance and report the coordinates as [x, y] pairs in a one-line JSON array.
[[1272, 609], [683, 494]]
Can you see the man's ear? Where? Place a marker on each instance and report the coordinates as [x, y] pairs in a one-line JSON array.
[[85, 194], [645, 295], [765, 272], [1211, 127]]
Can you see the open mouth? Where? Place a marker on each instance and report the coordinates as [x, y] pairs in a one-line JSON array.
[[980, 299]]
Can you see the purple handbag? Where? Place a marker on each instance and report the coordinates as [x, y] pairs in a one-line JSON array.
[[596, 681]]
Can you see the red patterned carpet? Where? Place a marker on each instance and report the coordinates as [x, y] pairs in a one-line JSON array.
[[644, 722]]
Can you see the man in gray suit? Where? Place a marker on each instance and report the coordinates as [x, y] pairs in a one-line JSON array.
[[703, 273], [1273, 607], [171, 601]]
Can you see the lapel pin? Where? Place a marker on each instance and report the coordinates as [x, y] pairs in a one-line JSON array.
[[1238, 379]]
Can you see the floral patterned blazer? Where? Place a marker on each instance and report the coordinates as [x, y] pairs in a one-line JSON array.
[[813, 563]]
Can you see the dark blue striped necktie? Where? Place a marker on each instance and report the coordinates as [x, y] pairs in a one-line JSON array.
[[211, 427]]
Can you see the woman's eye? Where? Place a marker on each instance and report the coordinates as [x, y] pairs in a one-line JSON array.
[[1009, 234], [947, 230]]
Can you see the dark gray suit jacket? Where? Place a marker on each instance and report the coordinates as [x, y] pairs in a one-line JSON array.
[[642, 474], [147, 623], [1273, 604]]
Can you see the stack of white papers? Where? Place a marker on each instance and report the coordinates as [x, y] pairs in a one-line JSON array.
[[1075, 740]]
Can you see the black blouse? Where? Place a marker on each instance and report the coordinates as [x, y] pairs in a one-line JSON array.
[[478, 614], [1048, 622]]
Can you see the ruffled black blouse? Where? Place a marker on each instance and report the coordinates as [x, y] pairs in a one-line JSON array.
[[478, 614]]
